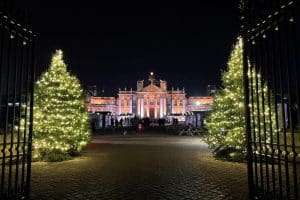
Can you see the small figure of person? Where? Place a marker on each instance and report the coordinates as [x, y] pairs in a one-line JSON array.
[[93, 127], [190, 129], [112, 122], [139, 127], [125, 132], [163, 121], [116, 122]]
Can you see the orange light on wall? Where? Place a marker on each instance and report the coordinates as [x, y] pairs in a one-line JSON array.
[[201, 100], [102, 100], [178, 110]]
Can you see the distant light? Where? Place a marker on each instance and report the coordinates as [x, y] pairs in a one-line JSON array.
[[151, 73], [198, 103]]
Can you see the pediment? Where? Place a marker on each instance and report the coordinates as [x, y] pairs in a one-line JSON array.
[[152, 88]]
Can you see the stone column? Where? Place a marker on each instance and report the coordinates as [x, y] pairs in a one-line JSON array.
[[164, 106], [155, 108], [130, 105], [140, 111], [148, 108], [138, 107], [142, 107], [172, 105], [120, 107], [161, 108]]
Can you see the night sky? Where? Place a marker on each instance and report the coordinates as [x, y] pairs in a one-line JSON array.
[[112, 44]]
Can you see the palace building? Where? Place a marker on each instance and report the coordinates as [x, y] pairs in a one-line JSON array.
[[152, 100]]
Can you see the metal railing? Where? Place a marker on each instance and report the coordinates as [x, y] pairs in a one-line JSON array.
[[16, 104], [272, 98]]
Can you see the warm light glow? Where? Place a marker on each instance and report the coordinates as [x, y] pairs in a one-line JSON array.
[[151, 73], [102, 100], [150, 101], [201, 100], [60, 116], [226, 122]]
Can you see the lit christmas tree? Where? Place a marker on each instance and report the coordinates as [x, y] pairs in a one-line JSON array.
[[61, 121], [226, 122]]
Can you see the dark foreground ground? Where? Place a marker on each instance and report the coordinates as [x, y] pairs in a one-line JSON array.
[[141, 167]]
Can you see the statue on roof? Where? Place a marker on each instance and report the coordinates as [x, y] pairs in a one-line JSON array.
[[152, 80]]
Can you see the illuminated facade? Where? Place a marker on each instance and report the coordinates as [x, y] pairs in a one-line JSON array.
[[151, 99]]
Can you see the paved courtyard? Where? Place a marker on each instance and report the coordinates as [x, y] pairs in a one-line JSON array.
[[141, 167]]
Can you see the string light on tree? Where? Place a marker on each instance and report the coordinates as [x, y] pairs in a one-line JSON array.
[[60, 118], [226, 122]]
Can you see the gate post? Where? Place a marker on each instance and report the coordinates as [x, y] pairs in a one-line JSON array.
[[247, 120], [248, 136], [30, 134], [247, 100]]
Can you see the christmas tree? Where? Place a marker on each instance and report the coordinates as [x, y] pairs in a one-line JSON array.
[[61, 121], [226, 122]]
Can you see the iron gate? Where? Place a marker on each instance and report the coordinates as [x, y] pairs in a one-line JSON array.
[[16, 104], [272, 98]]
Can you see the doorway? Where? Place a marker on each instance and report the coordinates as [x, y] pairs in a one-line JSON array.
[[151, 113]]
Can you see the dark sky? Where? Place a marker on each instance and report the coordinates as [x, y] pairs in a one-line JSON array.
[[113, 44]]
